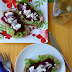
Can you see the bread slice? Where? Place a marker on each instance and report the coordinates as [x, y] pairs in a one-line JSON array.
[[57, 66], [41, 18], [26, 27]]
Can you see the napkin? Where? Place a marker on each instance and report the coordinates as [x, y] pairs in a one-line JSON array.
[[2, 68]]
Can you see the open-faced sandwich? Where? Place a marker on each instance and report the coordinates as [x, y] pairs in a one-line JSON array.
[[28, 14], [14, 26], [45, 63]]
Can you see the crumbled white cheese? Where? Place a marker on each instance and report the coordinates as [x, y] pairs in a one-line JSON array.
[[52, 67], [24, 7], [20, 12], [35, 13], [25, 4], [41, 19], [30, 15], [35, 18], [8, 13], [27, 12], [5, 19], [32, 20], [54, 64], [40, 68], [15, 21], [17, 26], [31, 68], [10, 20], [48, 65]]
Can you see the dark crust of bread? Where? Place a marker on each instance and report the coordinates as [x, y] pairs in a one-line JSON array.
[[26, 28], [57, 67]]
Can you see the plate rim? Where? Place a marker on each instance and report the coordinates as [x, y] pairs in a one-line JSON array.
[[35, 44]]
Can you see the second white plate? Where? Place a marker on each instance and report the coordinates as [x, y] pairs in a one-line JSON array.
[[33, 51]]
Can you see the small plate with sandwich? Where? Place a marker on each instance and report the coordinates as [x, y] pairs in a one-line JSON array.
[[40, 58], [24, 21]]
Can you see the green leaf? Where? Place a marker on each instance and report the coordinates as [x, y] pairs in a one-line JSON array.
[[0, 37], [21, 17], [24, 1], [44, 0], [37, 5], [24, 32], [18, 2], [3, 37], [39, 12], [36, 1], [38, 24], [56, 62], [2, 25], [42, 26], [1, 30], [49, 56], [30, 22], [41, 2]]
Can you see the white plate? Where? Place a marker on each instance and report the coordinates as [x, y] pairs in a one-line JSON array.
[[33, 51], [43, 30]]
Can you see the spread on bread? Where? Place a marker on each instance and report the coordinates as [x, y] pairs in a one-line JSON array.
[[14, 26], [43, 64], [30, 15], [12, 19], [28, 12]]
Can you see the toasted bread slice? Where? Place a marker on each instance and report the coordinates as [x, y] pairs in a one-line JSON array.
[[41, 18], [26, 27], [57, 66]]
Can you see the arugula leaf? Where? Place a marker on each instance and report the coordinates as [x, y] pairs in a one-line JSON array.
[[30, 22], [37, 23], [56, 62], [21, 17], [24, 1], [39, 12]]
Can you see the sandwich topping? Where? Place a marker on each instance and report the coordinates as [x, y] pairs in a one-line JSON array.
[[14, 22], [44, 66], [29, 13]]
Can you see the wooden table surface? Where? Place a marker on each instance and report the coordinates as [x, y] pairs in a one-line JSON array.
[[62, 34]]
